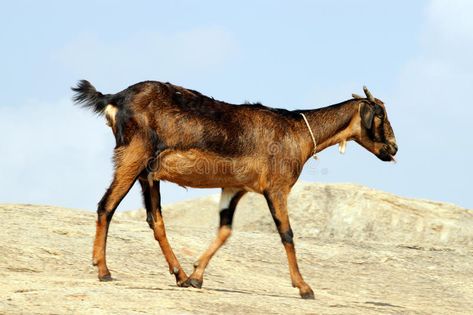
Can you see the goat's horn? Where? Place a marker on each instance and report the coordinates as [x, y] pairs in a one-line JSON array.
[[356, 96], [368, 94]]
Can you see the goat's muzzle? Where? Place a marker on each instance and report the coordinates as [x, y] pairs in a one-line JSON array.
[[387, 152]]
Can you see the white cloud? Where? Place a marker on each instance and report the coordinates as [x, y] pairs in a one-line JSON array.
[[436, 84], [450, 21], [47, 159], [432, 107]]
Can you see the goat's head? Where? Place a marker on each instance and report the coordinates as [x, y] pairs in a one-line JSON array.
[[376, 134]]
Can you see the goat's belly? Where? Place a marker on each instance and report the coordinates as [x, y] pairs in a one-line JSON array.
[[195, 168]]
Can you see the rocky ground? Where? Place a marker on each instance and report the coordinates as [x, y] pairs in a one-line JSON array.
[[361, 250]]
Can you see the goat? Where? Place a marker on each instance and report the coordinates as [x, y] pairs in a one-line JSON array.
[[167, 132]]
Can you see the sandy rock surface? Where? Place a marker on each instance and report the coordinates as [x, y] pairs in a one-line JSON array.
[[361, 250]]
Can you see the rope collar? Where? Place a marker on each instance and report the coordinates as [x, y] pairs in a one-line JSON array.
[[314, 153]]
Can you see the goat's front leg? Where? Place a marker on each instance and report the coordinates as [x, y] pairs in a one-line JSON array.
[[228, 202], [126, 172], [152, 200], [277, 202]]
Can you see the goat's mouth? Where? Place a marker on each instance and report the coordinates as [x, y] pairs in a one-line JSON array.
[[387, 153]]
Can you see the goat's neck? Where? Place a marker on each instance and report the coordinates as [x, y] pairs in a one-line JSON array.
[[331, 125]]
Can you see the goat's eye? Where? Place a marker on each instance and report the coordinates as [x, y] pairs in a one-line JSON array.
[[379, 112]]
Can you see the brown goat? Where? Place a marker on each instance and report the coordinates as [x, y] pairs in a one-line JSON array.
[[166, 132]]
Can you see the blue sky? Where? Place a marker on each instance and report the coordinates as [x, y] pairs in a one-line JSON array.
[[414, 55]]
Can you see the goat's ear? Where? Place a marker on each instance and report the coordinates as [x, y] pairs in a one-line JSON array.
[[367, 115]]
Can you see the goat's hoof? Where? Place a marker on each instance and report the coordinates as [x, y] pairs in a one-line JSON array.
[[182, 282], [307, 294], [191, 282], [105, 278]]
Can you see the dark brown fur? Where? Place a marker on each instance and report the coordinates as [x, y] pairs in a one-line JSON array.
[[167, 132]]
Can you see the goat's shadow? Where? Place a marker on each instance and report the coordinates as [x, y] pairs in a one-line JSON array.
[[117, 281], [202, 290], [175, 287]]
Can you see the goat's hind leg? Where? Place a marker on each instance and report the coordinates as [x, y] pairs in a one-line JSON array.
[[228, 202], [127, 169], [152, 200]]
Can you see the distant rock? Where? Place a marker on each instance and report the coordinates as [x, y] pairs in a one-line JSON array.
[[338, 212]]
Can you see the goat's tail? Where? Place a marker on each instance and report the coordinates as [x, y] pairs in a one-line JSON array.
[[86, 95]]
